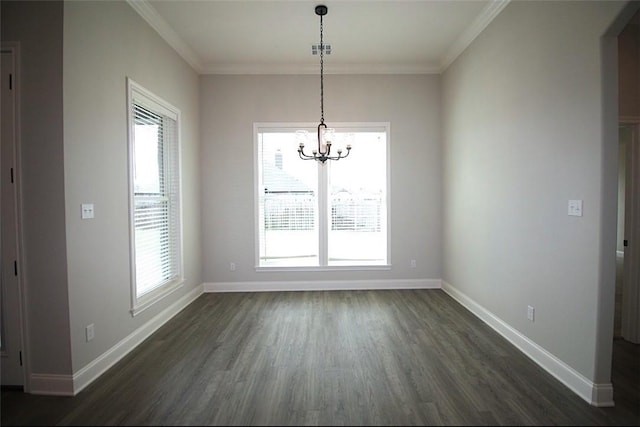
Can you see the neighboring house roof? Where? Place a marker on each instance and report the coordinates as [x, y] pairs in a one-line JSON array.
[[278, 181]]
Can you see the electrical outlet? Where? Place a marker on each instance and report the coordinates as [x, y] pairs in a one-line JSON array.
[[413, 263], [530, 313], [90, 331], [232, 266]]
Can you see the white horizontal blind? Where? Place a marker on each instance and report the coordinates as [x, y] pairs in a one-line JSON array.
[[156, 197]]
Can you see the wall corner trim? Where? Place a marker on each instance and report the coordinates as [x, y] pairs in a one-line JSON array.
[[101, 364], [51, 384], [600, 395]]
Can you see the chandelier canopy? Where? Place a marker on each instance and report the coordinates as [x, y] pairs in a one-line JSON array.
[[325, 135]]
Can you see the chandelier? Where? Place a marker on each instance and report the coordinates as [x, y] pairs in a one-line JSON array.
[[325, 135]]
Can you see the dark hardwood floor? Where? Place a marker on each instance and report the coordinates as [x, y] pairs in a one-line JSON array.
[[410, 357]]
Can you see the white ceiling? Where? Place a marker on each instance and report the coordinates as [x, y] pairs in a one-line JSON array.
[[275, 37]]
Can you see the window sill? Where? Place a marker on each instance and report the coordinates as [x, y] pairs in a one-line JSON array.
[[156, 295], [324, 268]]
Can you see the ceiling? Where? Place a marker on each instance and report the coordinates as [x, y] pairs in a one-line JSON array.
[[275, 37]]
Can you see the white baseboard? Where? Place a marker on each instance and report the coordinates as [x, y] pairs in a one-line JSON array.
[[600, 395], [97, 367], [51, 384], [322, 285]]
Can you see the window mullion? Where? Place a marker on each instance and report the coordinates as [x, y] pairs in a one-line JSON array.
[[323, 219]]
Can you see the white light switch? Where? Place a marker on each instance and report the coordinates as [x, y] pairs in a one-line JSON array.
[[575, 208], [87, 211]]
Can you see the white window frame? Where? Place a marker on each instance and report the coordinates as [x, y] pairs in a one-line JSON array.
[[138, 95], [322, 194]]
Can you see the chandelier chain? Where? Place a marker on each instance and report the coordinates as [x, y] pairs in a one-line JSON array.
[[321, 73]]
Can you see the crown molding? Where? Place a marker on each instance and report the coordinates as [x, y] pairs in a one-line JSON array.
[[469, 35], [157, 22], [313, 69]]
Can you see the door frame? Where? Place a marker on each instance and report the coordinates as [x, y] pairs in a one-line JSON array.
[[630, 324], [14, 48]]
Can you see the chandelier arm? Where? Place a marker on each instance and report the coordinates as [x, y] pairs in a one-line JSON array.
[[338, 157], [305, 156], [342, 157]]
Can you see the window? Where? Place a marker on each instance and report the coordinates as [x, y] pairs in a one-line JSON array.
[[315, 215], [155, 197]]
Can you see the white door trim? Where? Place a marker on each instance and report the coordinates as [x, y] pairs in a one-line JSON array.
[[14, 49], [630, 324]]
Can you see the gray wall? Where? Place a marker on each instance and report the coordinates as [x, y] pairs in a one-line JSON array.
[[73, 151], [105, 42], [523, 131], [231, 104], [37, 26]]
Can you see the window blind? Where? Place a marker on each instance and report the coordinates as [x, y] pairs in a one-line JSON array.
[[156, 206]]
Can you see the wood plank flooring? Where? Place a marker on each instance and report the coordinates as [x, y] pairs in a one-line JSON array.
[[407, 357]]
